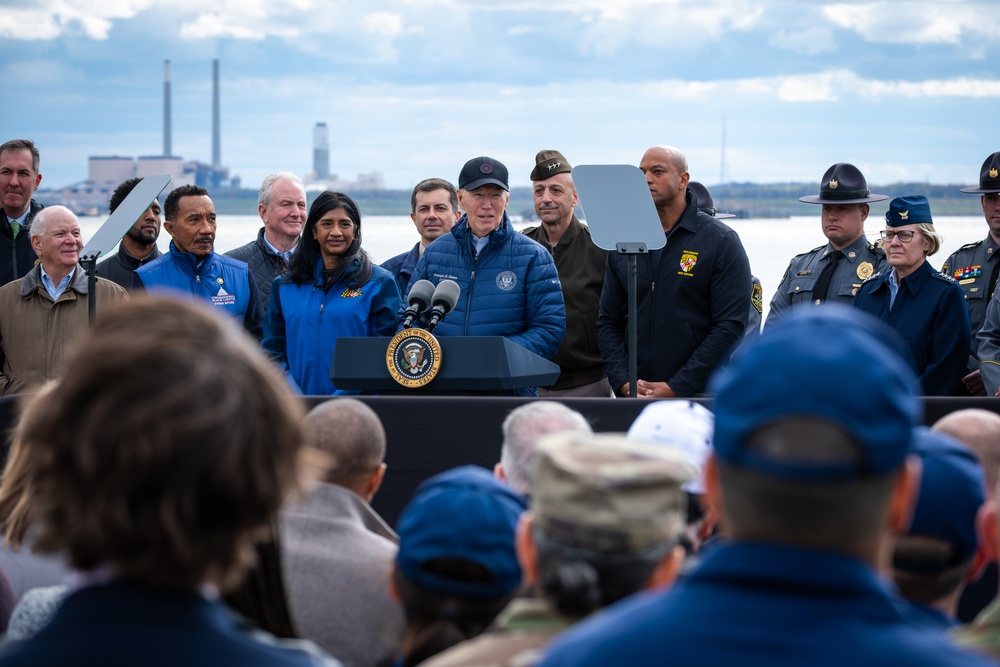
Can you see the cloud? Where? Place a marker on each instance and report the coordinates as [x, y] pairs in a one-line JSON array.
[[914, 22], [810, 41]]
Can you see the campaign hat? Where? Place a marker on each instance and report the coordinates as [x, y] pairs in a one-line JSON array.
[[843, 183], [989, 177], [608, 492], [908, 210], [480, 171], [705, 202], [463, 513], [548, 163], [831, 363]]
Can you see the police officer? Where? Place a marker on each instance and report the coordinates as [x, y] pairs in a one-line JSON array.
[[706, 204], [835, 271], [976, 266]]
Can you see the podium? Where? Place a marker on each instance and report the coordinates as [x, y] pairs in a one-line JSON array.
[[468, 364]]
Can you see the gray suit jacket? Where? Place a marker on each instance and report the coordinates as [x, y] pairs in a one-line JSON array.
[[337, 554]]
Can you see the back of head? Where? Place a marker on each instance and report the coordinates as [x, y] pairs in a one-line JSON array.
[[353, 437], [606, 510], [931, 560], [813, 419], [456, 567], [121, 192], [168, 443], [980, 430], [524, 427]]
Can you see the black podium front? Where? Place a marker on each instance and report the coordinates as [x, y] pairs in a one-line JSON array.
[[469, 364]]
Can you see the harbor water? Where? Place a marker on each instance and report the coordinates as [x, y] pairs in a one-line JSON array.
[[770, 243]]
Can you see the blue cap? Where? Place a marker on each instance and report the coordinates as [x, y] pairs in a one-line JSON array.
[[829, 362], [952, 489], [463, 513], [908, 210]]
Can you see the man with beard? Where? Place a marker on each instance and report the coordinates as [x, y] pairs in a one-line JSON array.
[[138, 246]]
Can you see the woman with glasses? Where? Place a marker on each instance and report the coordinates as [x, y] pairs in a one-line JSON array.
[[926, 307]]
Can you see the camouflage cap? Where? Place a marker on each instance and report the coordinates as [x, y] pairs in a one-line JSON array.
[[607, 492]]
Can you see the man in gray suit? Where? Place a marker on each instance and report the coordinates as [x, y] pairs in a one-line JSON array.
[[337, 553]]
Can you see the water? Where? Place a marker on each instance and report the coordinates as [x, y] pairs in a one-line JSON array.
[[770, 243]]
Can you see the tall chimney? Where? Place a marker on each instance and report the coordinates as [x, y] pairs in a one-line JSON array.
[[216, 160], [321, 153], [167, 149]]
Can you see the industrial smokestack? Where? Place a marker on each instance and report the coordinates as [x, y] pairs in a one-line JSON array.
[[216, 150], [167, 149], [321, 153]]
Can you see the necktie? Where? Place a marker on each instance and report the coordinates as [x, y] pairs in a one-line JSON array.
[[15, 227], [823, 282]]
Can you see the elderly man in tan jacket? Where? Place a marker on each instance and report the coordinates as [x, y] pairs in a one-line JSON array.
[[43, 311]]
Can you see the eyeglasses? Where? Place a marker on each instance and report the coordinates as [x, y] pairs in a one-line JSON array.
[[904, 236]]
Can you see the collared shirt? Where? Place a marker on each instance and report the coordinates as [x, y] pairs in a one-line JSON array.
[[480, 242], [893, 287], [55, 291], [286, 255]]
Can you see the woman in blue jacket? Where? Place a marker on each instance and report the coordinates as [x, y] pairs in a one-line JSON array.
[[331, 289]]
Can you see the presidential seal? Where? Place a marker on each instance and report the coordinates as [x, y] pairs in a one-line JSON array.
[[413, 357]]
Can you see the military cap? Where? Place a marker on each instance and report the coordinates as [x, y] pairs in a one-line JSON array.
[[952, 489], [833, 363], [608, 493], [908, 210], [548, 163], [989, 176], [843, 183], [480, 171], [682, 426], [705, 202]]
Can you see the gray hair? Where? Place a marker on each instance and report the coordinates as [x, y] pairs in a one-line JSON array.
[[523, 428], [264, 196], [40, 223]]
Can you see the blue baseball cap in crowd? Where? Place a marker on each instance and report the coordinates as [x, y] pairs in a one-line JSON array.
[[463, 513], [829, 362], [908, 210], [952, 489]]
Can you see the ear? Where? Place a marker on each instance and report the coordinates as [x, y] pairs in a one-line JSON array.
[[683, 181], [38, 180], [667, 570], [988, 533], [576, 197], [524, 545], [413, 217], [168, 225], [499, 473], [713, 490], [393, 589], [375, 481], [461, 199], [904, 495], [36, 244], [261, 209], [865, 210]]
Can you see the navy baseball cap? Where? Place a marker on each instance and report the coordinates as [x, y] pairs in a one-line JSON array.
[[480, 171], [463, 513], [952, 489], [908, 210], [829, 362]]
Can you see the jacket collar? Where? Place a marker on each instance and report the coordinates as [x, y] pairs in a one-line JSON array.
[[32, 281], [689, 218], [463, 234], [188, 262]]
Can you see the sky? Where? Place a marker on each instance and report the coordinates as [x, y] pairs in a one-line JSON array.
[[907, 91]]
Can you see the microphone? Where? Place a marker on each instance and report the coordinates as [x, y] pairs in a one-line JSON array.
[[420, 297], [444, 299]]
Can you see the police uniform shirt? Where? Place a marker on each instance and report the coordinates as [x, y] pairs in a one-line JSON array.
[[973, 266], [861, 261]]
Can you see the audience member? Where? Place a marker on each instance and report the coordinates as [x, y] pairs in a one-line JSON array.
[[822, 274], [697, 312], [156, 502], [19, 178], [810, 490], [138, 246], [934, 558], [281, 204], [580, 264], [192, 267], [434, 211], [456, 567], [509, 283], [606, 520], [926, 307], [331, 289], [522, 429], [974, 267], [337, 552], [44, 311]]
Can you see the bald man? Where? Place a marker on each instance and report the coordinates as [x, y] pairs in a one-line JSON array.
[[697, 312], [336, 551]]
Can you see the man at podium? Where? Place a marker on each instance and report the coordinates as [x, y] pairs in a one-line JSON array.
[[509, 284]]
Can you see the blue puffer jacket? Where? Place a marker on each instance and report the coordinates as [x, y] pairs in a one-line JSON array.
[[303, 323], [221, 281], [511, 289]]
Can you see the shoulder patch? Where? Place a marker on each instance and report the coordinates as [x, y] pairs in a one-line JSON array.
[[943, 276]]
